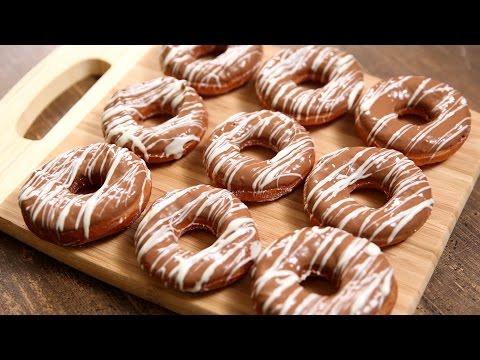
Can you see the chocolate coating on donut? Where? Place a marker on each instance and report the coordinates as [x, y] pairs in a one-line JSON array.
[[171, 140], [327, 194], [278, 81], [229, 70], [359, 270], [446, 113], [202, 206], [54, 212], [251, 179]]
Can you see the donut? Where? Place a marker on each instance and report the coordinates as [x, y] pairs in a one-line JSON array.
[[445, 110], [360, 271], [54, 211], [327, 194], [205, 207], [171, 140], [251, 179], [233, 67], [277, 83]]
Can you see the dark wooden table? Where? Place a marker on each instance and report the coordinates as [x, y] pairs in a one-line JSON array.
[[33, 283]]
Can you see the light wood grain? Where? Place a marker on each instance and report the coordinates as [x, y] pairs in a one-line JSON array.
[[113, 261]]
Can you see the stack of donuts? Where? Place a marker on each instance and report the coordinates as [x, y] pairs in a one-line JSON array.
[[344, 242]]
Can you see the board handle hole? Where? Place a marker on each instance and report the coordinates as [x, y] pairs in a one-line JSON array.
[[58, 97]]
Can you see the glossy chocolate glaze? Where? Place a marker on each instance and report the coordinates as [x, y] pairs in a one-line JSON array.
[[251, 179], [202, 206], [232, 68], [445, 110], [277, 83], [327, 194], [359, 270], [53, 211], [171, 140]]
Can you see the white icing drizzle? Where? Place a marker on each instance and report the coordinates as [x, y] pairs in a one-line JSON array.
[[50, 205], [180, 62], [293, 160], [327, 196], [175, 148], [157, 235], [372, 249], [340, 71], [365, 276], [449, 110], [162, 95]]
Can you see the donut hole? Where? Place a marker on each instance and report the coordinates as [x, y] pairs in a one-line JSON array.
[[85, 186], [318, 284], [413, 116], [311, 85], [155, 120], [197, 239], [260, 152], [369, 195], [308, 81], [212, 54], [88, 189]]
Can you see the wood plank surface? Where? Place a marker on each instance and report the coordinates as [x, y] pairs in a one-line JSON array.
[[148, 67]]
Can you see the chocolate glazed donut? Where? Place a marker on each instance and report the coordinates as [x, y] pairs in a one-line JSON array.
[[251, 179], [278, 81], [359, 270], [327, 194], [205, 207], [445, 110], [171, 140], [54, 211], [229, 70]]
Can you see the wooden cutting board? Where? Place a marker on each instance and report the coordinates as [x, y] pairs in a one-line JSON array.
[[112, 260]]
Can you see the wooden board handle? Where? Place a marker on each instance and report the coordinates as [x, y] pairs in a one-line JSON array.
[[64, 67], [39, 87]]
